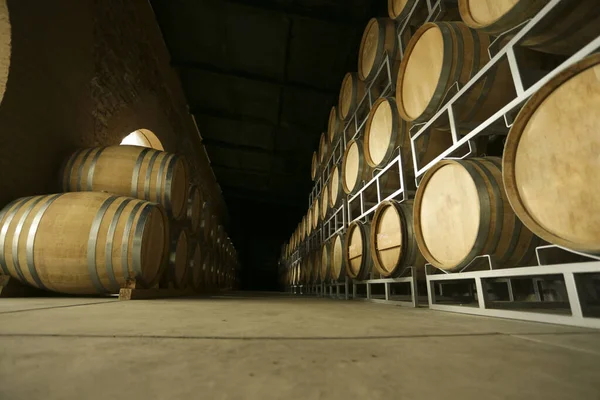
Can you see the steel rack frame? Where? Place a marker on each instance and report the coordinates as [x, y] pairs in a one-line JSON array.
[[571, 273], [333, 289], [506, 112], [409, 276]]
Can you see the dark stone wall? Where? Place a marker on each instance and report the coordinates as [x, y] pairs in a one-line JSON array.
[[88, 73]]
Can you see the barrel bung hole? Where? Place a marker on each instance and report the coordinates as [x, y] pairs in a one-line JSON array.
[[143, 138]]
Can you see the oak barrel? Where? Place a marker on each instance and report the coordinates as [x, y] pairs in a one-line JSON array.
[[316, 266], [357, 253], [335, 187], [393, 244], [133, 171], [354, 167], [385, 132], [206, 222], [309, 223], [208, 267], [325, 263], [309, 268], [379, 39], [177, 269], [324, 203], [568, 27], [194, 208], [314, 166], [351, 93], [439, 55], [83, 243], [338, 261], [196, 270], [461, 211], [315, 212], [323, 149], [334, 126], [551, 164]]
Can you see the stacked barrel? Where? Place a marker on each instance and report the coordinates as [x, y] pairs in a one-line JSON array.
[[541, 188], [126, 213]]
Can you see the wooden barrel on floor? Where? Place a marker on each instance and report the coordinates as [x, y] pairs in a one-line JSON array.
[[315, 212], [338, 261], [83, 243], [325, 271], [379, 39], [194, 208], [568, 27], [334, 126], [393, 244], [439, 55], [351, 93], [357, 253], [354, 167], [385, 133], [461, 211], [314, 166], [335, 187], [323, 149], [324, 203], [177, 269], [551, 161], [139, 172], [195, 274]]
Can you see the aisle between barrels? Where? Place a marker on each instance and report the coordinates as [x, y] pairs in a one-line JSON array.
[[248, 346]]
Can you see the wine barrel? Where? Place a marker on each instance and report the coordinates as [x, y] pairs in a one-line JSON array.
[[323, 149], [177, 270], [461, 211], [303, 228], [439, 55], [379, 39], [83, 243], [214, 225], [132, 171], [325, 263], [357, 253], [334, 126], [207, 270], [354, 168], [338, 261], [399, 9], [194, 208], [386, 132], [335, 187], [498, 16], [196, 274], [324, 203], [308, 268], [568, 27], [551, 159], [315, 212], [314, 166], [206, 223], [351, 93], [309, 223], [393, 244], [316, 267]]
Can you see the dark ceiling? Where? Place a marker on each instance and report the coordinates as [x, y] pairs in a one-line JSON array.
[[260, 77]]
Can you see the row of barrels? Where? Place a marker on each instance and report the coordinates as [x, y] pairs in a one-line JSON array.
[[127, 213], [436, 53], [437, 56], [541, 190]]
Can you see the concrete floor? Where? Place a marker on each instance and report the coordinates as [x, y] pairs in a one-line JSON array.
[[270, 347]]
